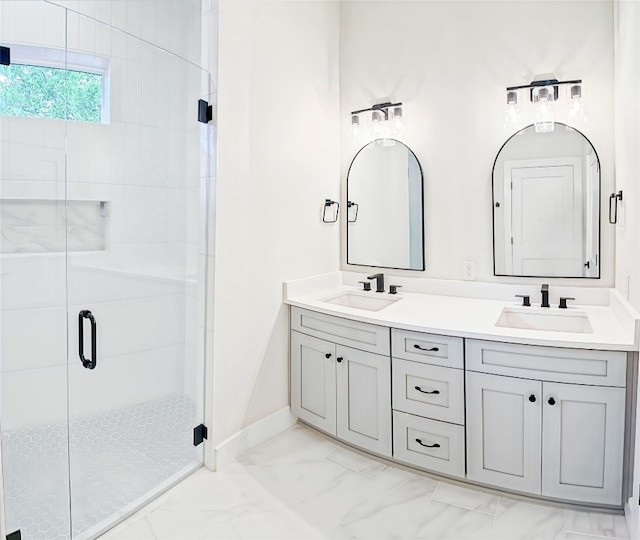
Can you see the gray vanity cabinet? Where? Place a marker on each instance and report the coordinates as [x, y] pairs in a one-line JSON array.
[[428, 401], [544, 421], [528, 432], [340, 389]]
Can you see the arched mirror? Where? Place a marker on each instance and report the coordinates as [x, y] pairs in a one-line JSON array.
[[546, 205], [385, 207]]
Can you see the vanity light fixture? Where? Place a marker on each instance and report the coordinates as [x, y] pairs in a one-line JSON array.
[[543, 94], [387, 121]]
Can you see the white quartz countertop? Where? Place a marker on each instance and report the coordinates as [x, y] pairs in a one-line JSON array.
[[614, 325]]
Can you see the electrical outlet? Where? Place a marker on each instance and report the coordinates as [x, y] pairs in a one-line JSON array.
[[469, 270]]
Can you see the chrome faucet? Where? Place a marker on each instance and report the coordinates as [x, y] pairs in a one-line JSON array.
[[545, 295], [379, 281]]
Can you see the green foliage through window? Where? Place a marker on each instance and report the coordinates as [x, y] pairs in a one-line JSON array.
[[46, 92]]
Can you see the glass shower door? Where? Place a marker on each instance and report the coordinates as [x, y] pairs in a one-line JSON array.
[[136, 215], [33, 369]]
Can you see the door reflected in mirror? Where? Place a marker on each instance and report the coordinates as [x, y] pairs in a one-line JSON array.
[[546, 205], [385, 224]]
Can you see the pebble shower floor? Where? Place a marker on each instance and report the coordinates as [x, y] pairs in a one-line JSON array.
[[116, 458]]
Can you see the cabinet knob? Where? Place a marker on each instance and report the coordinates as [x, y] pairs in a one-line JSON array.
[[532, 398], [328, 355], [339, 359], [551, 401]]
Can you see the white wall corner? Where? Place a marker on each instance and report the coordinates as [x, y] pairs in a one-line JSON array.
[[229, 450], [632, 515]]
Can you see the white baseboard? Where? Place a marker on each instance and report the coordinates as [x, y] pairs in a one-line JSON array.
[[228, 451], [632, 517]]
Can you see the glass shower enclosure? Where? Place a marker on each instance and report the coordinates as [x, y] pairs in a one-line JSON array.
[[103, 219]]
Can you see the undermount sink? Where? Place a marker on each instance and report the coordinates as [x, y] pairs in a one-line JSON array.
[[362, 301], [551, 321]]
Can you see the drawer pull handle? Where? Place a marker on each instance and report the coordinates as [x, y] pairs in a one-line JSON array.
[[436, 445], [425, 392], [432, 349]]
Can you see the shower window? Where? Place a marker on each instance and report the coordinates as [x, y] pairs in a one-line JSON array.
[[47, 83]]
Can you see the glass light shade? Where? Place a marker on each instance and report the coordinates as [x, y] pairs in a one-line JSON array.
[[355, 126], [576, 108], [512, 112], [399, 126], [544, 116], [376, 121]]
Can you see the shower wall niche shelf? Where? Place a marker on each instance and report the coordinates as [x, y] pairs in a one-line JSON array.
[[53, 225]]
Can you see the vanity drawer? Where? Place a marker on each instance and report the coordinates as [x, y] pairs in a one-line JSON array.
[[359, 335], [426, 390], [428, 444], [556, 364], [427, 348]]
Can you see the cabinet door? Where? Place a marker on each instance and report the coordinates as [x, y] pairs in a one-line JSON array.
[[364, 399], [313, 381], [583, 442], [503, 431]]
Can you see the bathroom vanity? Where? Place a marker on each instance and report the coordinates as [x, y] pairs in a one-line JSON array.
[[525, 399]]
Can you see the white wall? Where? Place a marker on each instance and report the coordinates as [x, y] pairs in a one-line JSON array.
[[278, 151], [449, 62], [627, 137]]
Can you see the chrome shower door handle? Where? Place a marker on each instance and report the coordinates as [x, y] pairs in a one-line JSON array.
[[89, 363]]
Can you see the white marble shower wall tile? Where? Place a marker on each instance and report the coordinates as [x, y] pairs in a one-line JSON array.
[[176, 152], [34, 397], [118, 45], [124, 380], [33, 339], [103, 39], [142, 157], [147, 214], [88, 152], [86, 26], [17, 189], [133, 92], [150, 21], [33, 281], [118, 74], [37, 23], [179, 212], [150, 86], [46, 226], [26, 161], [106, 277], [127, 327]]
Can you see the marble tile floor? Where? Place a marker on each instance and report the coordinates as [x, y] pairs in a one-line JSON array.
[[303, 485]]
